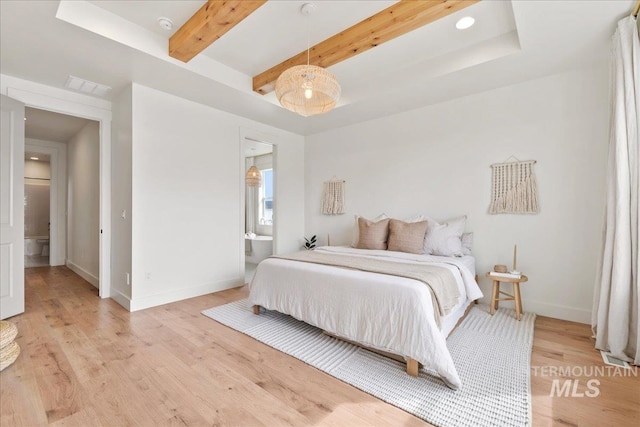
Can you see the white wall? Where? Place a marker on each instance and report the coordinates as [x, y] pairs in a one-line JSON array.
[[37, 169], [37, 197], [187, 193], [83, 202], [435, 160], [121, 145]]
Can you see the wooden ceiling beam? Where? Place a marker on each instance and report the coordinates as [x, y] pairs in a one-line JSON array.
[[208, 24], [394, 21]]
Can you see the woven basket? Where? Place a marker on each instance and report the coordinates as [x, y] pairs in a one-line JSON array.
[[8, 355], [8, 332]]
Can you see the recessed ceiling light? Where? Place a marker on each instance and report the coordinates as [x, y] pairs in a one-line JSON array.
[[34, 158], [464, 23], [25, 119], [165, 23]]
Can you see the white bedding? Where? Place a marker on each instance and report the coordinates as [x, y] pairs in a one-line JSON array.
[[386, 312], [469, 262]]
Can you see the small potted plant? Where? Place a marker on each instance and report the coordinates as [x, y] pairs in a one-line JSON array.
[[310, 244]]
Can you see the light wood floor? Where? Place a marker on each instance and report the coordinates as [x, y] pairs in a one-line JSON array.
[[87, 361]]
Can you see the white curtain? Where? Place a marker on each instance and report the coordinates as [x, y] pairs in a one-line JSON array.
[[615, 318]]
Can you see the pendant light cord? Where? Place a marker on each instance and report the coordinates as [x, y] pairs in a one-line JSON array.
[[308, 39]]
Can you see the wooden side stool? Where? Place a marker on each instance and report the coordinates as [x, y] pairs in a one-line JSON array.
[[495, 295]]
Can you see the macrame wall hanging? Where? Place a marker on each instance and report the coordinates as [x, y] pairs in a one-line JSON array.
[[333, 197], [514, 188]]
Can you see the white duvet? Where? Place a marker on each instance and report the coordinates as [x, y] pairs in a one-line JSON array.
[[385, 312]]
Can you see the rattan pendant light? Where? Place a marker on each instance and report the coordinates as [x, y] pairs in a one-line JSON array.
[[253, 177], [307, 89]]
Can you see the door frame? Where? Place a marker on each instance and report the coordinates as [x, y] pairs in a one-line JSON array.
[[265, 138], [41, 97]]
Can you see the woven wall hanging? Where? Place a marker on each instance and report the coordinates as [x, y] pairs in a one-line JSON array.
[[333, 197], [514, 188]]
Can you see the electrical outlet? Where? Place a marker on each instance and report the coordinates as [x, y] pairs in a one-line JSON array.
[[147, 276], [123, 214]]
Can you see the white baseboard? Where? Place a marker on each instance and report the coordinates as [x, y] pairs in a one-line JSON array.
[[149, 301], [556, 311], [563, 312], [121, 298], [54, 262], [84, 274]]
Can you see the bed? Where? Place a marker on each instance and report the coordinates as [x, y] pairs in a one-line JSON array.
[[385, 312]]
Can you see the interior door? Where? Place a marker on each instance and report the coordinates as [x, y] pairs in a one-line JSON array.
[[11, 207]]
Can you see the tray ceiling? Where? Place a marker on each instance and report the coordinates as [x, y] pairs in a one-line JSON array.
[[115, 43]]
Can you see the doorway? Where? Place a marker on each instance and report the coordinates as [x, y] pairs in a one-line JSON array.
[[62, 192], [259, 203], [62, 101], [37, 212]]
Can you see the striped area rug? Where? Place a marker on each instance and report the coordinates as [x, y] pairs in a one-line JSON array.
[[492, 355]]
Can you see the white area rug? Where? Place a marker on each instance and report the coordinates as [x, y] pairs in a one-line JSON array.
[[492, 355]]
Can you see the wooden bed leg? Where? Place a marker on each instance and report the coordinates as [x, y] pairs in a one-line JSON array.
[[256, 309], [412, 367]]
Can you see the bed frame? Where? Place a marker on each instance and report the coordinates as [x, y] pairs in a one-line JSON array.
[[413, 366]]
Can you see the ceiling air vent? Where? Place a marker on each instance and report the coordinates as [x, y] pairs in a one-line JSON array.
[[85, 86]]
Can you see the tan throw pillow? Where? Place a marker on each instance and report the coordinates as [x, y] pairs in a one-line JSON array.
[[356, 229], [372, 235], [407, 237]]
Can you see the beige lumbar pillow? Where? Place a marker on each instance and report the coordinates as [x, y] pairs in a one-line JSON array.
[[372, 235], [407, 237]]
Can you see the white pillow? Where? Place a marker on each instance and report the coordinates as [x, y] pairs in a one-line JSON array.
[[467, 243], [356, 230], [415, 218], [445, 238]]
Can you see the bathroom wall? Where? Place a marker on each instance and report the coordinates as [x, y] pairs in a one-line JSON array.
[[37, 169], [37, 176]]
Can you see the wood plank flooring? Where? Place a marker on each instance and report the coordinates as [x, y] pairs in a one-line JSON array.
[[87, 361]]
